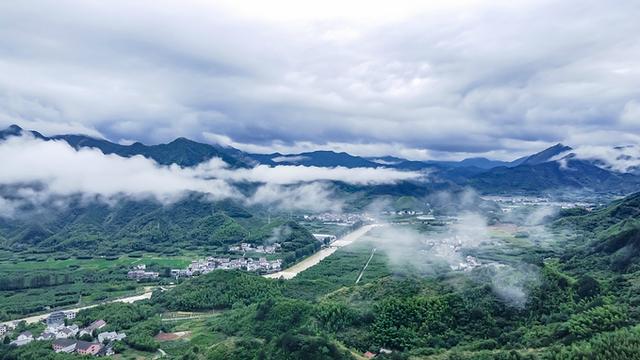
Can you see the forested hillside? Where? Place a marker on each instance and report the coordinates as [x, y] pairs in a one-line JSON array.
[[99, 228]]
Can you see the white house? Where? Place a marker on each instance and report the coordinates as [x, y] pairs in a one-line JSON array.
[[110, 336], [23, 339]]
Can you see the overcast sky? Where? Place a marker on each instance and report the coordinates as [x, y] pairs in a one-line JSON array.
[[469, 78]]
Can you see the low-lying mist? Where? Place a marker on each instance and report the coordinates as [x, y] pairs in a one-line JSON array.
[[38, 171], [475, 244]]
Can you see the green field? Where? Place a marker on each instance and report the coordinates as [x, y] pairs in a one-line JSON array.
[[34, 286]]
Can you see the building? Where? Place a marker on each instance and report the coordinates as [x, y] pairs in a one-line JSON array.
[[106, 350], [67, 332], [142, 274], [70, 314], [23, 339], [60, 332], [3, 329], [110, 336], [87, 348], [325, 238], [98, 324], [47, 335], [56, 319], [64, 345]]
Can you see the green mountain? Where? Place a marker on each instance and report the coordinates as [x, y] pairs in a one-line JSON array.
[[554, 176], [608, 237], [545, 155], [533, 174], [181, 151], [145, 225], [316, 158]]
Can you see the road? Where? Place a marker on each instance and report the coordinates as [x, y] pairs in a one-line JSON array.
[[289, 273], [129, 299], [314, 259]]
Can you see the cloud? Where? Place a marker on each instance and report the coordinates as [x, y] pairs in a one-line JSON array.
[[38, 170], [8, 207], [421, 79], [433, 253], [67, 171], [293, 174], [631, 115], [289, 159], [314, 197], [625, 158]]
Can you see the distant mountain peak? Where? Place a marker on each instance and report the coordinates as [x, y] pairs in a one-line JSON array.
[[15, 130], [11, 130], [546, 154]]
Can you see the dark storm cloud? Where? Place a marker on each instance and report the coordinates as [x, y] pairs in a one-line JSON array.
[[498, 79]]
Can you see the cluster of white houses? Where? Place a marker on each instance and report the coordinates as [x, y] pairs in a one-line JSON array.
[[102, 347], [140, 272], [65, 337], [339, 218], [204, 266], [81, 347], [264, 249]]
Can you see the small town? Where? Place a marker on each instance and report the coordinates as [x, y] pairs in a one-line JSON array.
[[264, 249], [204, 266], [139, 272], [342, 219], [89, 340]]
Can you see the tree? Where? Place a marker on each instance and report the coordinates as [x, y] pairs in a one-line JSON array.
[[587, 287]]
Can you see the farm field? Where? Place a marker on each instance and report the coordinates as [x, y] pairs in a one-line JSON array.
[[29, 287]]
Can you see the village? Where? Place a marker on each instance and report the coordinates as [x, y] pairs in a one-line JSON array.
[[264, 249], [204, 266], [89, 340], [341, 219]]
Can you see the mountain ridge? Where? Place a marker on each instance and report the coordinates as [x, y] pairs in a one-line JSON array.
[[539, 172]]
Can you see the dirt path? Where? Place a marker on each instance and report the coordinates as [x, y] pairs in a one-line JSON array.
[[373, 251], [323, 253]]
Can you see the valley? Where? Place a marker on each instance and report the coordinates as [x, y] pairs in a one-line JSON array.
[[419, 267], [319, 180], [153, 261], [314, 259]]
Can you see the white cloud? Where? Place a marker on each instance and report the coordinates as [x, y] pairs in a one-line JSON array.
[[7, 207], [631, 115], [315, 197], [422, 79], [66, 171], [289, 159], [293, 174], [620, 158], [60, 170]]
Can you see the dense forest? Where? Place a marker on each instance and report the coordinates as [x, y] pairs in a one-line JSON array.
[[89, 228]]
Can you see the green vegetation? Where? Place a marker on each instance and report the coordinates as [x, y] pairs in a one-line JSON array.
[[87, 229], [582, 303], [76, 255], [218, 290]]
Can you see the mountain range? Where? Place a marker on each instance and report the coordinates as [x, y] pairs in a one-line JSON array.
[[554, 168]]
